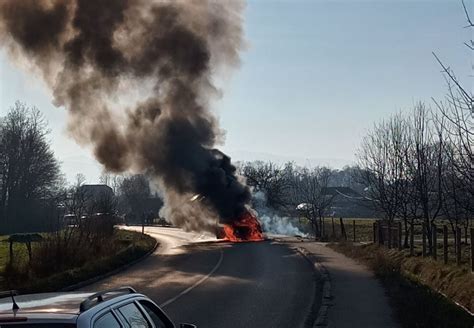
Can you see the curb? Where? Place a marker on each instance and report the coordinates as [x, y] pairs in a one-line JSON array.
[[110, 273], [321, 320]]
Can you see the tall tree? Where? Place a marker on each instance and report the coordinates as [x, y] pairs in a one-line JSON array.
[[457, 110], [426, 162], [29, 172], [381, 158], [135, 190]]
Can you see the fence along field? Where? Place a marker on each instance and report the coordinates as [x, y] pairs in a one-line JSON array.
[[451, 248]]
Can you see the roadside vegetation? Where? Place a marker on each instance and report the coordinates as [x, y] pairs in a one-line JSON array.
[[414, 286], [359, 230], [55, 265], [34, 195], [417, 169], [55, 234]]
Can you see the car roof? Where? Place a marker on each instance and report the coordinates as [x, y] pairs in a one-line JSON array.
[[51, 303], [62, 307]]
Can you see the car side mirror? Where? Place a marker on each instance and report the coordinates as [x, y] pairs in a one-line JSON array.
[[187, 325]]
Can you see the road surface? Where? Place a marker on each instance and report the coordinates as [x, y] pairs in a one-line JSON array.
[[219, 284]]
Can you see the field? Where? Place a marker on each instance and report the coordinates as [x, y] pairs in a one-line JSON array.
[[363, 229]]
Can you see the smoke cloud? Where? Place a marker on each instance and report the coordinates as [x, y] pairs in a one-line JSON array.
[[136, 79]]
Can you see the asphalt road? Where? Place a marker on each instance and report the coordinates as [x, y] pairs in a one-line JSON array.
[[219, 284]]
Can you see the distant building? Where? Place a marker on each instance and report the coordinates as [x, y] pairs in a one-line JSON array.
[[341, 191], [349, 203], [346, 203], [96, 190]]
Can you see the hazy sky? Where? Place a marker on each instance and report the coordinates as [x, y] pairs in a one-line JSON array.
[[314, 77]]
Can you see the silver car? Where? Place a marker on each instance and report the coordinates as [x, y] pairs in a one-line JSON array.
[[115, 308]]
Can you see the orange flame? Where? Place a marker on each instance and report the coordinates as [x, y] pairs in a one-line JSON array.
[[246, 228]]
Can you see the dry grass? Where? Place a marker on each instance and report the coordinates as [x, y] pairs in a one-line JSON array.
[[413, 284], [121, 248], [364, 234]]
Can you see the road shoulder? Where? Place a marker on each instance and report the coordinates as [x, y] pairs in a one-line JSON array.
[[352, 296]]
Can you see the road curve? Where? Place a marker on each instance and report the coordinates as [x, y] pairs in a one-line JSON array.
[[217, 284]]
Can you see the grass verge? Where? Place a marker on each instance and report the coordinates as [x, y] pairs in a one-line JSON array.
[[414, 286], [130, 247]]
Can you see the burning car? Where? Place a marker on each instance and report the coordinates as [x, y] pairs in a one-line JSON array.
[[245, 228]]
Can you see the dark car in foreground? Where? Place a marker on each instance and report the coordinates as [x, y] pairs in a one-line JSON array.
[[115, 308]]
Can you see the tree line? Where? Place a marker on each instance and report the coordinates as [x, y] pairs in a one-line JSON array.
[[308, 193], [419, 165], [34, 195]]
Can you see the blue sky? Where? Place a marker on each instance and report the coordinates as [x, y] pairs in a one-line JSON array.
[[314, 77]]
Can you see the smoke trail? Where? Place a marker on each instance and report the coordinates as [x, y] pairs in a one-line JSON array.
[[161, 55], [272, 222]]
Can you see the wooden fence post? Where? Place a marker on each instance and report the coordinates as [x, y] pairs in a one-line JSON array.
[[445, 244], [28, 247], [389, 232], [472, 249], [434, 234], [380, 232], [412, 239], [423, 233], [323, 230], [343, 229], [333, 228], [399, 235], [374, 227], [354, 231], [11, 251], [458, 246]]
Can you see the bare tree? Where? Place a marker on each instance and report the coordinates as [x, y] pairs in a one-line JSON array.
[[112, 180], [29, 172], [382, 160], [458, 113], [457, 202], [269, 178], [426, 161], [309, 191], [422, 166]]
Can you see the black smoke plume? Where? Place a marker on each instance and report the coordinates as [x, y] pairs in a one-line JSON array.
[[136, 79]]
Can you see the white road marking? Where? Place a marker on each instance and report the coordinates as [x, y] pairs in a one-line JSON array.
[[171, 240], [197, 283]]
